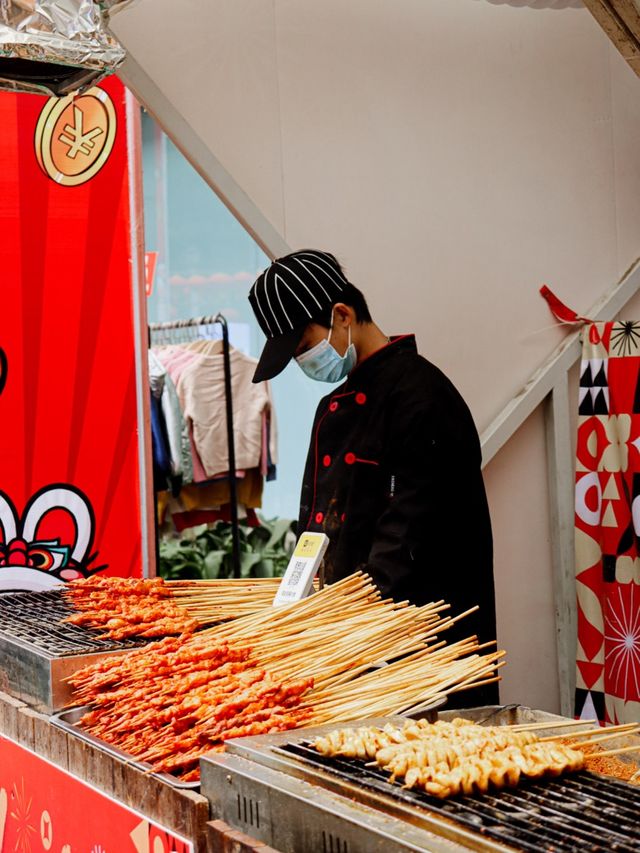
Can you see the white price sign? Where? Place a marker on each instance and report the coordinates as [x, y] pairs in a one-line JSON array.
[[305, 561]]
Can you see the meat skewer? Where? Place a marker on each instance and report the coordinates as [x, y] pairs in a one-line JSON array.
[[170, 701], [127, 607]]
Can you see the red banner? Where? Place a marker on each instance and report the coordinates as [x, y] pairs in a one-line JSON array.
[[45, 808], [70, 493]]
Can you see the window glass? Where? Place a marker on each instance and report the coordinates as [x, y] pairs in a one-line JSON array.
[[206, 263]]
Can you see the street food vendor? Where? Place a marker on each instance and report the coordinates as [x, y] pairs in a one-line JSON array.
[[393, 472]]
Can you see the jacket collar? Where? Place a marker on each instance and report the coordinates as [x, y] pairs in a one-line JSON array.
[[378, 360]]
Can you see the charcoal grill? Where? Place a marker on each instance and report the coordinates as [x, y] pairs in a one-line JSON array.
[[278, 788], [37, 652]]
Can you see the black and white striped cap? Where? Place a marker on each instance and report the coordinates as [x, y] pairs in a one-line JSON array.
[[291, 293]]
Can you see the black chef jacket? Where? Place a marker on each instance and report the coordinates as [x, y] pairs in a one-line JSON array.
[[393, 478]]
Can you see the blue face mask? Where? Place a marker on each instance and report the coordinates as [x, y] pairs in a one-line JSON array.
[[323, 363]]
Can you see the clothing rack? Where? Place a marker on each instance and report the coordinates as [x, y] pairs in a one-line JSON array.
[[218, 319]]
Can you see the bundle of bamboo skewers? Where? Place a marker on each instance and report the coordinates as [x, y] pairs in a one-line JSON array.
[[337, 635], [307, 663], [220, 600]]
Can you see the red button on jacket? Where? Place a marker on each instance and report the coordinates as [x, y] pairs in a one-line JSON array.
[[361, 399], [326, 461], [350, 458], [333, 406], [319, 517]]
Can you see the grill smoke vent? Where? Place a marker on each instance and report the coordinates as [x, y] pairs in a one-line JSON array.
[[55, 47]]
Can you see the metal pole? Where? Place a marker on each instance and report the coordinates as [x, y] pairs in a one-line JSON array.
[[233, 495]]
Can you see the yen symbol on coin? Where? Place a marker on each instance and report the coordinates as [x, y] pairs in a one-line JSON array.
[[75, 135]]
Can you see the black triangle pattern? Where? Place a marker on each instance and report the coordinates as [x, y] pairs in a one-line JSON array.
[[600, 379], [585, 379], [600, 404], [586, 406], [596, 402]]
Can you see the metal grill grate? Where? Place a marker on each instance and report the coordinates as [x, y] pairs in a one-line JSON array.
[[581, 812], [35, 618]]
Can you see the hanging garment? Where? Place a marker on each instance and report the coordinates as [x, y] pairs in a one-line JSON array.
[[607, 524], [197, 369], [213, 495], [163, 389], [201, 390], [184, 520], [173, 358], [159, 446]]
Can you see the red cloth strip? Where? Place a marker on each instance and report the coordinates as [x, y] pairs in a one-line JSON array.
[[559, 310]]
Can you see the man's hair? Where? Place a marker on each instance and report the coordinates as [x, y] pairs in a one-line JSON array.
[[350, 296]]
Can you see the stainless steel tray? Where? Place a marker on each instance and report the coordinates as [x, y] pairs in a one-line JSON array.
[[255, 782], [268, 749], [67, 720], [258, 779]]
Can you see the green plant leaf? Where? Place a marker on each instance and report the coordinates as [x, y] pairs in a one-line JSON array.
[[204, 552], [212, 564], [264, 569], [247, 561], [279, 530], [257, 539]]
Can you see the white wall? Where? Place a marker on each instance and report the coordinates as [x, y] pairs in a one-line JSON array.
[[455, 155]]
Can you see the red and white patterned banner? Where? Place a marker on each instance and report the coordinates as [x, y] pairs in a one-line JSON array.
[[608, 524]]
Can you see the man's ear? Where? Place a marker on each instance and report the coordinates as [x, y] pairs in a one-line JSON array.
[[343, 315]]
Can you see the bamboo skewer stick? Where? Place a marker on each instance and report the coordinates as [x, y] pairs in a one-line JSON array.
[[457, 674], [488, 680], [608, 732], [521, 727], [606, 753], [613, 736], [484, 681], [402, 669]]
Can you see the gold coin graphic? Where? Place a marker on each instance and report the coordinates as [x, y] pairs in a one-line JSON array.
[[46, 830], [75, 135]]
